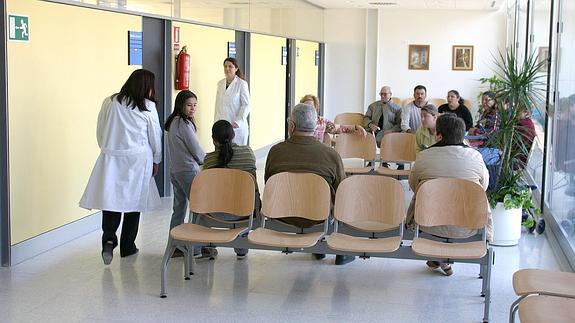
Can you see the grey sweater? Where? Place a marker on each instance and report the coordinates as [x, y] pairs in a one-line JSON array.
[[184, 147]]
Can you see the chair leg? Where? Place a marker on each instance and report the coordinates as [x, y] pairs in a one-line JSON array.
[[190, 261], [170, 248], [487, 289], [186, 263], [514, 307]]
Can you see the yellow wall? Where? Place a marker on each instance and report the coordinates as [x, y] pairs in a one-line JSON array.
[[56, 84], [208, 47], [305, 69], [267, 80]]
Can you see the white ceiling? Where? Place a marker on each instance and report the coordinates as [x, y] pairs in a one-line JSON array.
[[411, 4]]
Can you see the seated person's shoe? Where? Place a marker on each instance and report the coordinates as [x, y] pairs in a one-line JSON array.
[[209, 252], [241, 253], [400, 167], [342, 260], [318, 256], [432, 264], [108, 252], [447, 270], [177, 253], [386, 165]]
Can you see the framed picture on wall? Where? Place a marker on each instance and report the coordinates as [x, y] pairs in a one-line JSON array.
[[462, 58], [543, 56], [418, 57]]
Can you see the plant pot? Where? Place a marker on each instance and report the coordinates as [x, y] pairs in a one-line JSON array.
[[506, 226]]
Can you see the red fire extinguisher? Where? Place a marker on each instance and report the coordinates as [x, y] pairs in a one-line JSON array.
[[183, 70]]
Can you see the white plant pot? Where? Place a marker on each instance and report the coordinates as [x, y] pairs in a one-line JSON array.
[[506, 226]]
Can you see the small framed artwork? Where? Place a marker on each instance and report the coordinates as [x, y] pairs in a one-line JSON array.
[[462, 58], [418, 57], [543, 56]]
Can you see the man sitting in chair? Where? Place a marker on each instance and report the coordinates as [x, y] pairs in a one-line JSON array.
[[449, 157], [302, 153]]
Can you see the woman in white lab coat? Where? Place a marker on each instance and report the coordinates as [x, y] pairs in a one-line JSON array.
[[233, 101], [129, 137]]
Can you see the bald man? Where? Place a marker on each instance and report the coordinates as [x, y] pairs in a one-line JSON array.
[[383, 116]]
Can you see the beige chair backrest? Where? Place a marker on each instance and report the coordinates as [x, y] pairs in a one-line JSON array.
[[405, 102], [223, 190], [396, 100], [398, 146], [370, 198], [437, 102], [351, 145], [301, 195], [451, 201], [327, 139], [468, 104], [349, 118]]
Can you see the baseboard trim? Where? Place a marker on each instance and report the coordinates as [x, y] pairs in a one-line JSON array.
[[54, 238]]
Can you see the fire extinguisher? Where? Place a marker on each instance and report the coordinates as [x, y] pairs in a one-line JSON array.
[[183, 70]]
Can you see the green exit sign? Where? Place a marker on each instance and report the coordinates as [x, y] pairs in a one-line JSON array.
[[18, 27]]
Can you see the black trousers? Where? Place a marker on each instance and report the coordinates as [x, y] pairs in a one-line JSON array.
[[111, 222]]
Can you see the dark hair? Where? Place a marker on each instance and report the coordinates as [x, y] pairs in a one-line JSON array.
[[223, 134], [179, 105], [235, 63], [489, 94], [138, 88], [459, 98], [419, 87], [451, 128]]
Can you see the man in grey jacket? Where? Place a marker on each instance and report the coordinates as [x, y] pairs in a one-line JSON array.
[[383, 116]]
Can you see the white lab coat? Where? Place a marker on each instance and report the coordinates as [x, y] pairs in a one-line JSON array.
[[233, 105], [130, 141]]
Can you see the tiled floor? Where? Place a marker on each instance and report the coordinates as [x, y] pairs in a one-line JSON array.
[[70, 284]]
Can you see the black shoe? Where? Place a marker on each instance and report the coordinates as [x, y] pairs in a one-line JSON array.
[[127, 254], [108, 252], [318, 256], [342, 260], [400, 167]]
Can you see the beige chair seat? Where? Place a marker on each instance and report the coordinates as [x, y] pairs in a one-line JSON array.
[[538, 281], [344, 242], [438, 249], [272, 238], [199, 233], [371, 226], [357, 170], [399, 173], [547, 309]]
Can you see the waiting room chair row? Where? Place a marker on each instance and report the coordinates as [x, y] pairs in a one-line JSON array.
[[367, 204]]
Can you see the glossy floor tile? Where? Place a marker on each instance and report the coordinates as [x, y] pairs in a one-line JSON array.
[[71, 284]]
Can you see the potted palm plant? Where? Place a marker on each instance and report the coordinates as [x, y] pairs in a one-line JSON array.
[[519, 93]]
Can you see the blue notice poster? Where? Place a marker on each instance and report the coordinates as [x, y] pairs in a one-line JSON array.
[[231, 49], [135, 47]]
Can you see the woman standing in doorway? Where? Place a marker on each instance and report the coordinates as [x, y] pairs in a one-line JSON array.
[[130, 139], [233, 101]]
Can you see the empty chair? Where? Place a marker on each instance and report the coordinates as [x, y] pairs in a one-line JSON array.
[[538, 309], [527, 282], [460, 203], [288, 195], [216, 190], [437, 102], [397, 147], [349, 118], [350, 145], [370, 204], [468, 104], [396, 100]]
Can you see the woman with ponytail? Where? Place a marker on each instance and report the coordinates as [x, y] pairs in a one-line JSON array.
[[229, 155], [185, 152]]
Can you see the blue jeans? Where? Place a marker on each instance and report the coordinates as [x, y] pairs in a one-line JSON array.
[[181, 182]]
